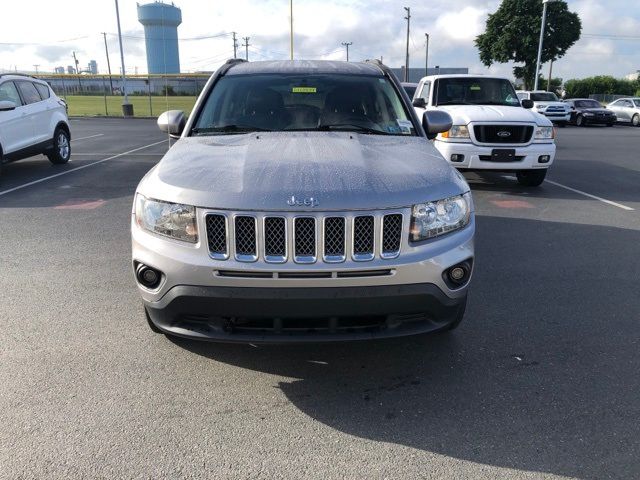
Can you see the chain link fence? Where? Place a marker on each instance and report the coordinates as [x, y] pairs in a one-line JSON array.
[[605, 98]]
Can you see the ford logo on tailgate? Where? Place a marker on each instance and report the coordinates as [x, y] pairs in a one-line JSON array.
[[504, 134]]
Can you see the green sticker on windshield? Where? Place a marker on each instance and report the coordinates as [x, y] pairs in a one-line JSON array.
[[303, 90], [475, 88]]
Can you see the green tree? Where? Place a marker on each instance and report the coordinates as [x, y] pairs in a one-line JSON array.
[[513, 32], [556, 85]]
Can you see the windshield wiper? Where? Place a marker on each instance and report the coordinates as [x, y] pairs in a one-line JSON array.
[[351, 126], [494, 102], [231, 128], [455, 103]]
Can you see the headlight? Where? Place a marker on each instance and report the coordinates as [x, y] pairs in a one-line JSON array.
[[431, 219], [545, 133], [588, 114], [457, 131], [169, 219]]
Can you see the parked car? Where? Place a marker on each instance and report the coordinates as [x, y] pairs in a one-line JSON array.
[[585, 111], [627, 110], [410, 88], [302, 202], [491, 129], [547, 104], [33, 120]]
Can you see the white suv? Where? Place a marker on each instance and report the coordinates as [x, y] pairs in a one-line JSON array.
[[548, 104], [33, 120]]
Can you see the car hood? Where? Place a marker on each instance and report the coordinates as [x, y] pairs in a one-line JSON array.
[[549, 104], [341, 171], [464, 114]]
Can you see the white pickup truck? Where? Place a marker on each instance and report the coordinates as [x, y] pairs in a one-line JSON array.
[[491, 129], [548, 104]]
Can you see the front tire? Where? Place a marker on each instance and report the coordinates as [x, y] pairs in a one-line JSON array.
[[579, 121], [635, 121], [61, 152], [531, 178]]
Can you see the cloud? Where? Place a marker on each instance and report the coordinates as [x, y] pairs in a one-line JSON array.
[[55, 53], [463, 26]]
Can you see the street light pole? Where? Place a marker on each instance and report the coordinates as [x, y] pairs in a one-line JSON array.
[[127, 108], [544, 21], [291, 28], [426, 58], [346, 44], [406, 62]]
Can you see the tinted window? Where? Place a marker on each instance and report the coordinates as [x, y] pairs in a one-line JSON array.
[[588, 104], [475, 91], [43, 90], [9, 93], [28, 92], [544, 97], [240, 103]]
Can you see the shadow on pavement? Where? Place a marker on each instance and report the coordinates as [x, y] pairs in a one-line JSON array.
[[541, 376]]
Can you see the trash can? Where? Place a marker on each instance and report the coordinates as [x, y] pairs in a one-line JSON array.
[[127, 109]]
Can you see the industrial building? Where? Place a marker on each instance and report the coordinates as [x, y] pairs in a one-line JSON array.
[[160, 21]]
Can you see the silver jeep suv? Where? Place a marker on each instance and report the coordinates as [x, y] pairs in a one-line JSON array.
[[302, 202]]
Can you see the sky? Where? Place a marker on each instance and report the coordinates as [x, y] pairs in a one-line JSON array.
[[46, 33]]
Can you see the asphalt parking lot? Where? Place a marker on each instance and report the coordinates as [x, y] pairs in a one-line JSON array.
[[540, 380]]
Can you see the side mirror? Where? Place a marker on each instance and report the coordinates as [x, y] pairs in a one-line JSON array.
[[6, 105], [527, 103], [172, 122], [435, 122], [419, 102]]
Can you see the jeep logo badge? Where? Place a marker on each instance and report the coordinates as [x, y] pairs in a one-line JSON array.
[[504, 134], [302, 202]]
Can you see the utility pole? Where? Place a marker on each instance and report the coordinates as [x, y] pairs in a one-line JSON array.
[[346, 44], [550, 71], [291, 28], [36, 67], [426, 58], [235, 45], [127, 108], [106, 49], [406, 63], [246, 47], [75, 60]]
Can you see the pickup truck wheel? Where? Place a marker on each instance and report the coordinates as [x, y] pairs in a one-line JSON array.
[[531, 178], [152, 325], [635, 121], [61, 152], [580, 121]]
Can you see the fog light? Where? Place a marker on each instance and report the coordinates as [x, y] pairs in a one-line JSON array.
[[544, 158], [456, 274], [457, 157], [147, 276]]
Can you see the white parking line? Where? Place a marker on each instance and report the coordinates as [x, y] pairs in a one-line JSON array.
[[35, 182], [580, 192], [90, 136], [110, 153]]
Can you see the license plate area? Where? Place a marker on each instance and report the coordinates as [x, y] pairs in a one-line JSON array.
[[503, 155]]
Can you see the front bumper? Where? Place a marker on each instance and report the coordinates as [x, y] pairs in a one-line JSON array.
[[557, 117], [599, 119], [472, 155], [292, 314]]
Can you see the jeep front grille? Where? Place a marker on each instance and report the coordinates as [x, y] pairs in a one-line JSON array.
[[306, 238]]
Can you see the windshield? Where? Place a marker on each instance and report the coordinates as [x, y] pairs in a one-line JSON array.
[[294, 102], [475, 91], [588, 104], [544, 97]]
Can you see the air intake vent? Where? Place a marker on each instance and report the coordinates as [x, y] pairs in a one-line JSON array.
[[275, 239], [391, 235], [217, 236], [305, 239], [334, 239], [363, 238], [245, 233]]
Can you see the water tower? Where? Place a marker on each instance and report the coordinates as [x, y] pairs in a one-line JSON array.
[[161, 22]]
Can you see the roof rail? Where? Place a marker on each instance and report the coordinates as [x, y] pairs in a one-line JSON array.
[[231, 61]]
